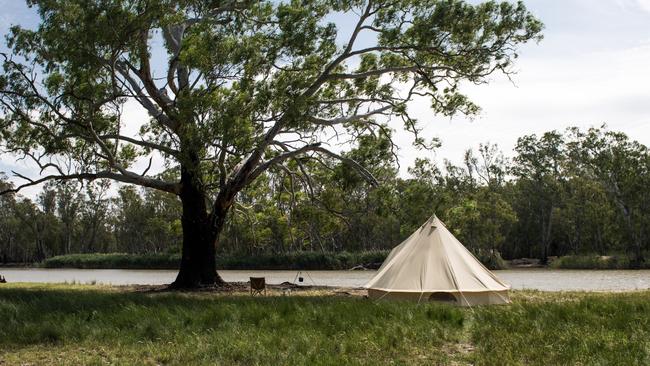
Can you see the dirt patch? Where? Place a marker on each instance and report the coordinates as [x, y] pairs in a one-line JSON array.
[[227, 287], [285, 288]]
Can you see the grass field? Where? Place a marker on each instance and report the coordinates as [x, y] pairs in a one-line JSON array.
[[65, 324]]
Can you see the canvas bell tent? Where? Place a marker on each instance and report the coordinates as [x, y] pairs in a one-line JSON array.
[[432, 264]]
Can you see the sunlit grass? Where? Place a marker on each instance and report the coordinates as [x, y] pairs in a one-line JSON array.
[[80, 324]]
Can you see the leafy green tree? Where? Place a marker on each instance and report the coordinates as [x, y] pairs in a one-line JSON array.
[[539, 167], [130, 220], [9, 225], [482, 221], [68, 207], [420, 196], [622, 167], [246, 86]]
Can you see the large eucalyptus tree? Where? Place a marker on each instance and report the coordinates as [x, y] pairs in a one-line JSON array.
[[236, 89]]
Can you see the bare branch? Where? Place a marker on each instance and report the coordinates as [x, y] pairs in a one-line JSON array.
[[356, 117], [352, 163], [144, 100], [128, 177], [280, 158], [377, 72], [142, 143]]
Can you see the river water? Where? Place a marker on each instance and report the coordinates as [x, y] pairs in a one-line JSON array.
[[540, 279]]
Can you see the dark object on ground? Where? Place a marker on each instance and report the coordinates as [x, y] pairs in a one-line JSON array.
[[258, 285], [443, 297], [3, 280], [226, 287]]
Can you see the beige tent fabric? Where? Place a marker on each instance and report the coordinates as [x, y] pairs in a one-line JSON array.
[[432, 264]]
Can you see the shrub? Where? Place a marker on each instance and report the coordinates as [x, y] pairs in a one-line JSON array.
[[594, 261], [307, 260]]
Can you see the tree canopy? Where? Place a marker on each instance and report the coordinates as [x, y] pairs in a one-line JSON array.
[[278, 217], [239, 88]]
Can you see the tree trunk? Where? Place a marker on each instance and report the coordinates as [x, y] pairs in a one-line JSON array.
[[200, 234], [637, 252]]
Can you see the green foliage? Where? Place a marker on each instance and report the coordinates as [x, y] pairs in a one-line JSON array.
[[248, 88], [114, 260], [297, 260], [559, 201], [284, 261], [302, 260], [595, 262]]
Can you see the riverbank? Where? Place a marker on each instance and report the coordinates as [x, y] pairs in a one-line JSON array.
[[312, 261], [62, 324], [597, 262], [282, 261]]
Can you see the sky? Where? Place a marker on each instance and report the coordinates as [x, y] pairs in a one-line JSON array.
[[592, 67]]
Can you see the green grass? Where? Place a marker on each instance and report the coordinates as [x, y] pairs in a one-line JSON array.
[[59, 324]]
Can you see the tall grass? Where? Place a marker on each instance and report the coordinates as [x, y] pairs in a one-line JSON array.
[[612, 329], [59, 324], [70, 326]]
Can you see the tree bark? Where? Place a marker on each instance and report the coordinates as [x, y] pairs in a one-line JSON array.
[[200, 234], [637, 252]]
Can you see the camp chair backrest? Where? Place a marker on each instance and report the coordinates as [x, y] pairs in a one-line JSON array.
[[258, 284]]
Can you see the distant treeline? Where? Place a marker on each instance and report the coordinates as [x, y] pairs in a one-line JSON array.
[[571, 193]]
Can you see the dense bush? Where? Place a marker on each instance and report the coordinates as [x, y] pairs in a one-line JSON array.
[[296, 260], [491, 259], [596, 262], [303, 260], [114, 260], [291, 261]]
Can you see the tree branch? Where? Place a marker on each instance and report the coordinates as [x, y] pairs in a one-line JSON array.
[[356, 117], [142, 143], [128, 177]]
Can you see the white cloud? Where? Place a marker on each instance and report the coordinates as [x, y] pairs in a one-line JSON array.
[[550, 93], [644, 5]]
